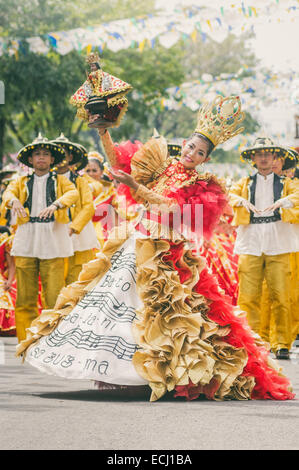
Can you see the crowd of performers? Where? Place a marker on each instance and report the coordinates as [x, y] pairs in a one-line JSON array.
[[96, 285]]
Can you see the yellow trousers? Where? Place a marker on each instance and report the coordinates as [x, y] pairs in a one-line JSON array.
[[74, 264], [294, 260], [276, 272], [268, 332], [27, 274]]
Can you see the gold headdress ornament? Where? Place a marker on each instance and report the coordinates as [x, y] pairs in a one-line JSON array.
[[93, 58], [219, 120], [96, 155]]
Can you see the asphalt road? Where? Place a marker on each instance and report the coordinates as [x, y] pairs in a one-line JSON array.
[[41, 412]]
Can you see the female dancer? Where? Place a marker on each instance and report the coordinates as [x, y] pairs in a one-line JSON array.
[[8, 290], [147, 312]]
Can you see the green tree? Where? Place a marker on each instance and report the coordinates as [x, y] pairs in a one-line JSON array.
[[37, 17], [38, 87]]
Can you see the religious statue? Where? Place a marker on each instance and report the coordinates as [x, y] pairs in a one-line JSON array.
[[101, 100]]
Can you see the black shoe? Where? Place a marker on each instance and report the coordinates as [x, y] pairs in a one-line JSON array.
[[282, 354]]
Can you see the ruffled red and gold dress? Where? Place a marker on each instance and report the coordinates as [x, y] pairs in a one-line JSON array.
[[221, 259], [147, 311]]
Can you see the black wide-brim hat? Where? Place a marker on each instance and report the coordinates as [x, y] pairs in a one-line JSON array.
[[291, 160], [77, 150], [263, 144], [83, 162], [174, 150], [41, 142], [7, 170]]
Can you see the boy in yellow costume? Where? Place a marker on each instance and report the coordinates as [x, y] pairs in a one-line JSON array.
[[282, 166], [41, 242], [266, 207], [81, 229]]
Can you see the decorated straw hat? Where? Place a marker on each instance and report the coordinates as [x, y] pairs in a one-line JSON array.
[[7, 170], [41, 142], [106, 176], [291, 159], [77, 150], [83, 162], [263, 144], [6, 181], [174, 149]]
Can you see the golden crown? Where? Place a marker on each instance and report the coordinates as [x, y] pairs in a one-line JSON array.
[[219, 120], [93, 58]]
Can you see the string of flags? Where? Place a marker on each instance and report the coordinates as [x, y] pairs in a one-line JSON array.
[[201, 20], [256, 89]]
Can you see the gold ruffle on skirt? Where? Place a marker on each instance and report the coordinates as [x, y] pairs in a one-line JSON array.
[[179, 343]]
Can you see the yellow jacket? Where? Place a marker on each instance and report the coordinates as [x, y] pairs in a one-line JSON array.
[[83, 210], [95, 186], [65, 192], [282, 187], [3, 214]]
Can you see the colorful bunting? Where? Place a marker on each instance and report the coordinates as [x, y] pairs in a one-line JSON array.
[[213, 20]]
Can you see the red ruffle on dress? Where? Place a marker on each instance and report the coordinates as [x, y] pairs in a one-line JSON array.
[[125, 152], [269, 384], [206, 193], [7, 298], [221, 259], [120, 198]]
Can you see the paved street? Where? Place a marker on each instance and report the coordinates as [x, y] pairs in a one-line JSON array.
[[44, 412]]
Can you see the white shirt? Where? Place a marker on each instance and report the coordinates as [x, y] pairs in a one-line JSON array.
[[87, 238], [272, 238], [43, 240]]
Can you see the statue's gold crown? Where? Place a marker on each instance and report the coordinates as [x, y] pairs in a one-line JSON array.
[[219, 120], [93, 58]]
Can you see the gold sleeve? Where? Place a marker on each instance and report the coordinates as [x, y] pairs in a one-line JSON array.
[[67, 194], [150, 161], [148, 196], [86, 212], [109, 148], [95, 186], [11, 193], [292, 191], [236, 193]]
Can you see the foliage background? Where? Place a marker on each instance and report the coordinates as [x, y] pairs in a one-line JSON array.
[[38, 87]]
